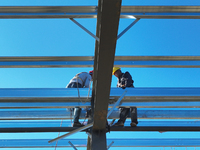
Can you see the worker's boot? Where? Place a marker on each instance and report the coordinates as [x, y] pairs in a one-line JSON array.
[[133, 112], [77, 112], [118, 124], [123, 115], [77, 124], [107, 126]]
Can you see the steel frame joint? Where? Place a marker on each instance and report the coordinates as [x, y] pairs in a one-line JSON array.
[[86, 30], [127, 28]]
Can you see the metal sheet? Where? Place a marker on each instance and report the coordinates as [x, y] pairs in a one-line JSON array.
[[143, 113], [88, 61], [183, 12], [133, 142]]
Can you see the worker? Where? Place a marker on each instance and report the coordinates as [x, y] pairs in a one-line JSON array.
[[81, 80], [125, 80]]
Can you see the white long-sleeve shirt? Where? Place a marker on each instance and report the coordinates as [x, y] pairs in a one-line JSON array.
[[83, 78]]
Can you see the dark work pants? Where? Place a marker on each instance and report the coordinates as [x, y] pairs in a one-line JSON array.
[[77, 110], [124, 112]]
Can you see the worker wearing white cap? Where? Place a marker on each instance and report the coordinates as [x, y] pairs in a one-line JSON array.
[[80, 80]]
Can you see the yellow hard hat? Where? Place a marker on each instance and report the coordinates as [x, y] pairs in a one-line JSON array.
[[115, 69]]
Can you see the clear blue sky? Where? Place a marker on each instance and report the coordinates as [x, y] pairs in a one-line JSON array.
[[61, 37]]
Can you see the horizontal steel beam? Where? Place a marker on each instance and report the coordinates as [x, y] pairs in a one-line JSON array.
[[158, 104], [143, 113], [68, 123], [71, 94], [161, 12], [164, 12], [69, 129], [88, 61], [68, 97], [133, 142]]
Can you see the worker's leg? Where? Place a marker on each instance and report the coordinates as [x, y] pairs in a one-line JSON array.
[[133, 114], [123, 115], [72, 85], [77, 112]]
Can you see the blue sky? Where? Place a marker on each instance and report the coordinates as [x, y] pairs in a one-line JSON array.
[[61, 37]]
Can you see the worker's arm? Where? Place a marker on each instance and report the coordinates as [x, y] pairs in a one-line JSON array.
[[87, 81]]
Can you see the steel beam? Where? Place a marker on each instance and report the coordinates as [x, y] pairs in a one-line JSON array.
[[88, 61], [66, 124], [68, 98], [133, 142], [71, 129], [104, 54], [155, 12], [143, 113], [168, 103], [107, 29], [71, 95], [157, 128]]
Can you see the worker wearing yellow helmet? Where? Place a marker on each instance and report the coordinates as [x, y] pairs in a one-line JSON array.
[[115, 69], [125, 80]]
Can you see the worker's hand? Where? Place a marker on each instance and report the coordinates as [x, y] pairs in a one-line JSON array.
[[123, 87]]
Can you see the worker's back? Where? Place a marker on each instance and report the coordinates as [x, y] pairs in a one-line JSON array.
[[82, 78]]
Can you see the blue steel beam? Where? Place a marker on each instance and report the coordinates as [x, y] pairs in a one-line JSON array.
[[17, 105], [164, 12], [143, 113], [68, 98], [71, 95], [88, 61], [133, 142], [68, 123], [171, 104]]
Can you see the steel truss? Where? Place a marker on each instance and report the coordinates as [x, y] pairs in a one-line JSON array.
[[106, 37]]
